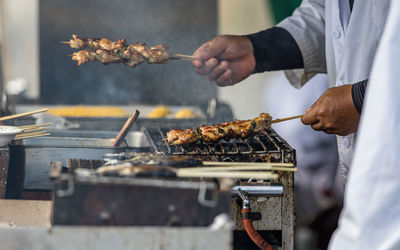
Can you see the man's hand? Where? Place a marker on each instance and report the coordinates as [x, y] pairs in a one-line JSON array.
[[225, 59], [333, 112]]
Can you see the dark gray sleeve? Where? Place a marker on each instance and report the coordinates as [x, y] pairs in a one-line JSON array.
[[357, 93], [275, 49]]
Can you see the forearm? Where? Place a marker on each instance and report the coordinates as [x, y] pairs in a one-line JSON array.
[[357, 93], [275, 49]]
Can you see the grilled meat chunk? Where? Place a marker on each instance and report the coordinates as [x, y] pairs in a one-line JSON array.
[[226, 131]]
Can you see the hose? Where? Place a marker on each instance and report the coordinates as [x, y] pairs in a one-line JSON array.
[[251, 231]]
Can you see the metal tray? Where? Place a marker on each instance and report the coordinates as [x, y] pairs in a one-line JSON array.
[[30, 160], [100, 200]]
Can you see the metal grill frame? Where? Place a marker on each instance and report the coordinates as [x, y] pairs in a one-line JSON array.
[[281, 206], [157, 139]]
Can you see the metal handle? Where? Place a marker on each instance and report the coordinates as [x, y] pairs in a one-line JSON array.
[[202, 196], [70, 186]]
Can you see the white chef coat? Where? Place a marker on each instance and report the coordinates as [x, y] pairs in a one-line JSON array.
[[316, 152], [331, 41], [371, 214]]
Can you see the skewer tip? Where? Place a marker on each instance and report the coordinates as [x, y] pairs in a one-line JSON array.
[[64, 42]]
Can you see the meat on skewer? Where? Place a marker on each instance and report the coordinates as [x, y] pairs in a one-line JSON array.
[[226, 131], [95, 43], [130, 57], [106, 51]]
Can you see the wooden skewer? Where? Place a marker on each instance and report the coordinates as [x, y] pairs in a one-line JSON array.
[[185, 57], [237, 168], [9, 117], [34, 129], [33, 132], [35, 125], [125, 129], [30, 136], [286, 119], [230, 174], [228, 163], [64, 42]]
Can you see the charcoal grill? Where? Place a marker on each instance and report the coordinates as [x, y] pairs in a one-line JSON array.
[[275, 209], [267, 146]]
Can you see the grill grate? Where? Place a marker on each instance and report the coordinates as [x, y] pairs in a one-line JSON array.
[[264, 143]]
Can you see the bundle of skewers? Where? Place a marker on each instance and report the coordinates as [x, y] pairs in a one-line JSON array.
[[131, 55], [29, 131], [33, 131], [240, 170]]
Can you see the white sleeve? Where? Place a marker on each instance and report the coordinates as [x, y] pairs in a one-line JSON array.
[[370, 218], [307, 27]]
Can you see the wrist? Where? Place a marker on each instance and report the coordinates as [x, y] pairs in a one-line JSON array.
[[275, 49]]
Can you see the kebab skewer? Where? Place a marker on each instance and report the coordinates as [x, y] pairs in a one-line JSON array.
[[106, 51], [95, 43], [226, 131]]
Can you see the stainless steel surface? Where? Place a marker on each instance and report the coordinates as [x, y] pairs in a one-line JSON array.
[[64, 142], [288, 217], [37, 162], [269, 207], [121, 238], [32, 158], [133, 139]]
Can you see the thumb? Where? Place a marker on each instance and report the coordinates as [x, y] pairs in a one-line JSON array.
[[310, 117], [211, 49]]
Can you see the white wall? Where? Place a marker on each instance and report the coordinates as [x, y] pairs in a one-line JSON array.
[[19, 40], [244, 17]]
